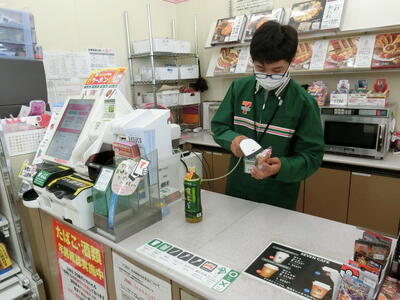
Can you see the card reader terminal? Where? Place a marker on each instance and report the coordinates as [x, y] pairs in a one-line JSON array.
[[46, 175], [68, 187]]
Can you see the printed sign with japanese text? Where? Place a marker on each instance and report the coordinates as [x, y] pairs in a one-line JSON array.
[[80, 264]]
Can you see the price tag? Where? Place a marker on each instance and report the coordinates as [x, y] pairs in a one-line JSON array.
[[338, 99]]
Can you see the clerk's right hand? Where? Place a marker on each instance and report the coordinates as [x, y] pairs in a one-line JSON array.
[[235, 148]]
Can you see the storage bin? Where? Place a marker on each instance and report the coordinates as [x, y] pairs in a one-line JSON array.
[[189, 72], [183, 47], [167, 73], [189, 98], [16, 19], [16, 50], [167, 98], [17, 36], [190, 115], [159, 45]]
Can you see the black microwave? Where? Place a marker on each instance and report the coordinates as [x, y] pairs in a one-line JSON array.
[[362, 131]]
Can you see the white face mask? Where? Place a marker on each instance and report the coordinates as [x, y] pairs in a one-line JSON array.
[[272, 81]]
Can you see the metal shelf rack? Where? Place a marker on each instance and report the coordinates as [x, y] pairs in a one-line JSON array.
[[153, 55]]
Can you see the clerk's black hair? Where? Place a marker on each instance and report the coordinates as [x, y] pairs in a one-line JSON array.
[[273, 42]]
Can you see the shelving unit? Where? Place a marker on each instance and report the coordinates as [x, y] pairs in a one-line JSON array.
[[318, 36], [153, 56]]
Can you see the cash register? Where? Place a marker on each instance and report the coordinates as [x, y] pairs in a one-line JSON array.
[[62, 184]]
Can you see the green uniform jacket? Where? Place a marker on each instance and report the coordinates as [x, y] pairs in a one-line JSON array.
[[295, 135]]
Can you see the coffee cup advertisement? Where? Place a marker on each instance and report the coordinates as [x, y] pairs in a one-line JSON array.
[[297, 271]]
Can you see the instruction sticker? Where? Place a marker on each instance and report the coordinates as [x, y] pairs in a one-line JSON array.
[[204, 271]]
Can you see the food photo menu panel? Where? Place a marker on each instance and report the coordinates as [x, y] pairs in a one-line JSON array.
[[298, 272]]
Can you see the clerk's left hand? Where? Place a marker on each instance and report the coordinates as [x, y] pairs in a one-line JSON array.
[[268, 168]]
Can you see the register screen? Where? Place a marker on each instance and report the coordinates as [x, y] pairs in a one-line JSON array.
[[69, 129]]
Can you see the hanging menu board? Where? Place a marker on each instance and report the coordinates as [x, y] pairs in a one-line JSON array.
[[298, 272]]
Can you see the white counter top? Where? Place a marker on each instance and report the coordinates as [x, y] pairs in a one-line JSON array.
[[233, 232], [389, 162]]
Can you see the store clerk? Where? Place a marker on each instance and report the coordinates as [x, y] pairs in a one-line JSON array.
[[274, 110]]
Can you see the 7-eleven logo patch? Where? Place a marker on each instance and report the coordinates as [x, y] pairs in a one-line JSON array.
[[246, 107]]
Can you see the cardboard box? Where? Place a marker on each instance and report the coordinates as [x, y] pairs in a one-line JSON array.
[[189, 72], [182, 46], [189, 98], [159, 45], [357, 99]]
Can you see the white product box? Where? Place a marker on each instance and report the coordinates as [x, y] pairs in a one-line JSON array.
[[159, 45], [189, 72], [357, 99], [167, 98], [189, 98], [145, 73], [182, 46], [167, 73]]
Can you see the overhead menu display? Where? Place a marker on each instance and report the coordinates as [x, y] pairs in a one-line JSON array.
[[298, 272], [198, 268]]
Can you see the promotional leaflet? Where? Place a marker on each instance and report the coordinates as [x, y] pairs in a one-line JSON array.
[[332, 14], [228, 30], [198, 268], [103, 83], [227, 60], [257, 19], [80, 264], [319, 54], [365, 50], [297, 272], [132, 282], [302, 59], [341, 53], [386, 51], [307, 16]]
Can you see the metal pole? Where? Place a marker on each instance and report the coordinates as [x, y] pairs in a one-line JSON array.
[[196, 39], [173, 30], [130, 67], [153, 71]]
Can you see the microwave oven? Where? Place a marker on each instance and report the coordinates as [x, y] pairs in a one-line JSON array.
[[361, 131]]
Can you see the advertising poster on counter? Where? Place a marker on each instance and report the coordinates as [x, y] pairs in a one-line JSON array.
[[133, 283], [80, 264], [298, 272]]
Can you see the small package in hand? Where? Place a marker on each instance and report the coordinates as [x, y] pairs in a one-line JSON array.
[[262, 157]]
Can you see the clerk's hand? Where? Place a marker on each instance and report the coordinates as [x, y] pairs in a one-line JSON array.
[[269, 167], [235, 148]]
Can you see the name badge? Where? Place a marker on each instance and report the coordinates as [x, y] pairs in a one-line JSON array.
[[249, 164]]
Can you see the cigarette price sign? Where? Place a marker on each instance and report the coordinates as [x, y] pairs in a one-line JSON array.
[[80, 264], [297, 272]]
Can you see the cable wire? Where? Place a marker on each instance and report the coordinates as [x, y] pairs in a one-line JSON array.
[[227, 174]]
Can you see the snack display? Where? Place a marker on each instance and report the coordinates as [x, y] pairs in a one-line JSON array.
[[387, 51], [228, 30], [319, 91], [227, 60], [352, 289], [341, 53], [307, 16], [257, 19], [302, 59]]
